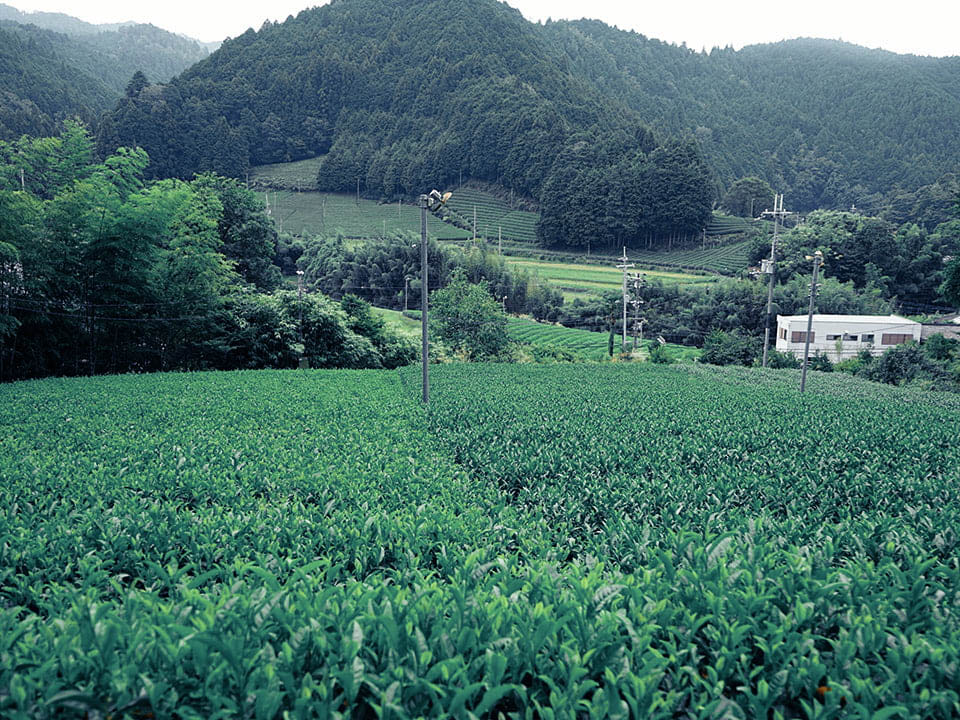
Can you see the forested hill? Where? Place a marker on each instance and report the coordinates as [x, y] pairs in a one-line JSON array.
[[395, 92], [401, 95], [47, 75], [827, 121]]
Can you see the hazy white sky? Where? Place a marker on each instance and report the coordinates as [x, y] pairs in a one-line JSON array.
[[922, 27]]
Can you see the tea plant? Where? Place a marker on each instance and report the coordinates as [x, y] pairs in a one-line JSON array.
[[563, 542]]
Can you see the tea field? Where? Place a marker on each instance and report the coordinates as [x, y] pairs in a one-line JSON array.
[[602, 541]]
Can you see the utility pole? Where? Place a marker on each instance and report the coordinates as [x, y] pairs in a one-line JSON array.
[[300, 303], [406, 291], [499, 240], [22, 182], [624, 265], [432, 201], [638, 281], [770, 267], [425, 349], [817, 258]]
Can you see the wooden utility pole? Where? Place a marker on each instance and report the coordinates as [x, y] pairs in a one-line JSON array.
[[770, 267], [817, 258], [624, 265], [424, 280]]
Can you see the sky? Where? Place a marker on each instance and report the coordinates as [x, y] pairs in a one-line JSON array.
[[921, 27]]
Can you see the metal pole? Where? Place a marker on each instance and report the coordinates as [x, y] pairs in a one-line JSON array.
[[424, 279], [817, 258]]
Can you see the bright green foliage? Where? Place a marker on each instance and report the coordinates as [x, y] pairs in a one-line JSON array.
[[467, 317], [573, 541]]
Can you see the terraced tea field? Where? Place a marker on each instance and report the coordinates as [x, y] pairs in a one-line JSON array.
[[297, 176], [592, 345], [594, 279], [315, 213], [494, 216], [616, 541], [724, 260]]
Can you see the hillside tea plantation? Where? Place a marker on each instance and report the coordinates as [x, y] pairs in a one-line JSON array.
[[619, 541]]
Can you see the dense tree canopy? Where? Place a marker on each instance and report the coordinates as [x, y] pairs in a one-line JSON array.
[[748, 197], [101, 271], [605, 191], [46, 76]]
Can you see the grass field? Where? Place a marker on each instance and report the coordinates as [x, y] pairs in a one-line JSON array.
[[573, 541]]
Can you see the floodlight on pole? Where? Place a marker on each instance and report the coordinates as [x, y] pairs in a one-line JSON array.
[[431, 201]]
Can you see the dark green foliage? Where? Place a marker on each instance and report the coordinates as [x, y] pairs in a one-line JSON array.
[[659, 354], [781, 360], [468, 319], [472, 88], [729, 348], [827, 123], [247, 235], [933, 362], [382, 271], [395, 350], [606, 190], [950, 289], [820, 362], [748, 197], [101, 272], [873, 254], [939, 347], [47, 77], [687, 314]]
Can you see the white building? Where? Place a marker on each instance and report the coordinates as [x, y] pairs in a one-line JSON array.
[[843, 336]]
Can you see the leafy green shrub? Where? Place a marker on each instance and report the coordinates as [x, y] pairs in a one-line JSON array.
[[729, 348], [659, 354], [897, 365], [596, 541], [821, 362], [465, 315], [553, 353], [782, 360]]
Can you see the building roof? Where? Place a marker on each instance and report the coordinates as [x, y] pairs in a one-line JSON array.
[[877, 319]]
